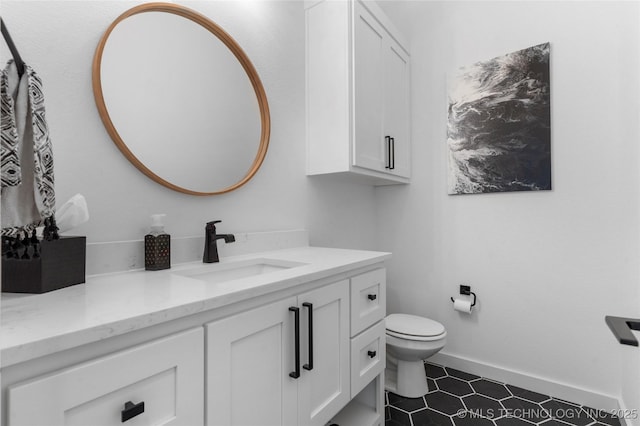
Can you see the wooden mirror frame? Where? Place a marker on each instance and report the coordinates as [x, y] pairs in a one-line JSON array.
[[237, 51]]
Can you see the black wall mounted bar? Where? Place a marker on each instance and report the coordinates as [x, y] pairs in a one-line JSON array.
[[12, 47], [621, 328]]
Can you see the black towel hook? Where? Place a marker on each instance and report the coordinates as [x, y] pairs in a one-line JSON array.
[[12, 47]]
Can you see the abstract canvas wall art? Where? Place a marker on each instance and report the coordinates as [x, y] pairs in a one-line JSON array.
[[499, 124]]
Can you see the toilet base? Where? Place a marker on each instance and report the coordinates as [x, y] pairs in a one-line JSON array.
[[406, 378], [390, 381], [411, 379]]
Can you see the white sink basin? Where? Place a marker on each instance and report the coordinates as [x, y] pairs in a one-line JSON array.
[[221, 272]]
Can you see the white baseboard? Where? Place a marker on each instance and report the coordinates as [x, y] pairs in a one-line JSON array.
[[544, 386]]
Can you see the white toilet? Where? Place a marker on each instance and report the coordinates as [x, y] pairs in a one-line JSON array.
[[410, 340]]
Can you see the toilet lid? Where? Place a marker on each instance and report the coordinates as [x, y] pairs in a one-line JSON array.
[[413, 325]]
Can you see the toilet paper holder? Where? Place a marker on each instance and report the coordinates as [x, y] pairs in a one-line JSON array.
[[466, 290]]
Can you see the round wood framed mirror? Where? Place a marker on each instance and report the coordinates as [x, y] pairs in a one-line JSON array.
[[182, 102]]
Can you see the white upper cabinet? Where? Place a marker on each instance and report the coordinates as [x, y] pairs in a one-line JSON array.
[[358, 94], [397, 110]]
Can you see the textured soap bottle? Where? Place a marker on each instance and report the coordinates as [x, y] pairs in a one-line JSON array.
[[157, 246]]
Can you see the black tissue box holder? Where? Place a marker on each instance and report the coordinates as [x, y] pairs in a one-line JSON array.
[[61, 264]]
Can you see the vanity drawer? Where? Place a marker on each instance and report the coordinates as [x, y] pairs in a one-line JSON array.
[[166, 374], [368, 299], [368, 357]]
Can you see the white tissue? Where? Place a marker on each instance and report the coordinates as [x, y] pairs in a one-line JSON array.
[[462, 305], [72, 213]]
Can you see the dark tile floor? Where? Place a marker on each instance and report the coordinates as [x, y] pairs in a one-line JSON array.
[[456, 398]]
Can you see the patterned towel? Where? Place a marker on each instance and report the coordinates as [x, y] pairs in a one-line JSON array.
[[26, 172]]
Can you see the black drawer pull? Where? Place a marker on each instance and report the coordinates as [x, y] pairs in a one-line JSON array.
[[295, 374], [131, 410], [372, 354], [372, 296]]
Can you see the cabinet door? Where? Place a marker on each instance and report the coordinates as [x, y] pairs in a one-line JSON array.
[[163, 380], [397, 107], [249, 358], [324, 389], [369, 150]]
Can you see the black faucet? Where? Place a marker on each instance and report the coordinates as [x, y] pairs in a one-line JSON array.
[[210, 238]]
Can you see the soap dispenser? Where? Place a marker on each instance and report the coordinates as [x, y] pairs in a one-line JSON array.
[[157, 246]]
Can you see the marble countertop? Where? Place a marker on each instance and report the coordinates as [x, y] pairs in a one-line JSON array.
[[113, 304]]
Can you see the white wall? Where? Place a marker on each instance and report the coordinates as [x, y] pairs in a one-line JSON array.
[[58, 39], [547, 266]]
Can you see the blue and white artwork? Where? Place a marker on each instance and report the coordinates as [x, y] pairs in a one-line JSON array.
[[499, 126]]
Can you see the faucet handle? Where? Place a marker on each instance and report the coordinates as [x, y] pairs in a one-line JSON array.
[[212, 225]]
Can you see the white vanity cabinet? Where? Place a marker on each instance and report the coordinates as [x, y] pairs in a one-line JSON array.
[[263, 369], [158, 383], [358, 93], [298, 346]]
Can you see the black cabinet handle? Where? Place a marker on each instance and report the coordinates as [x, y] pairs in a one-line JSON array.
[[310, 365], [295, 374], [372, 296], [131, 410], [387, 139], [372, 354], [392, 154]]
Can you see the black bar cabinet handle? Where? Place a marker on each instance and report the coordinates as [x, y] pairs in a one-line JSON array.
[[310, 365], [295, 374], [131, 410], [372, 296], [392, 154], [372, 354], [387, 139]]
